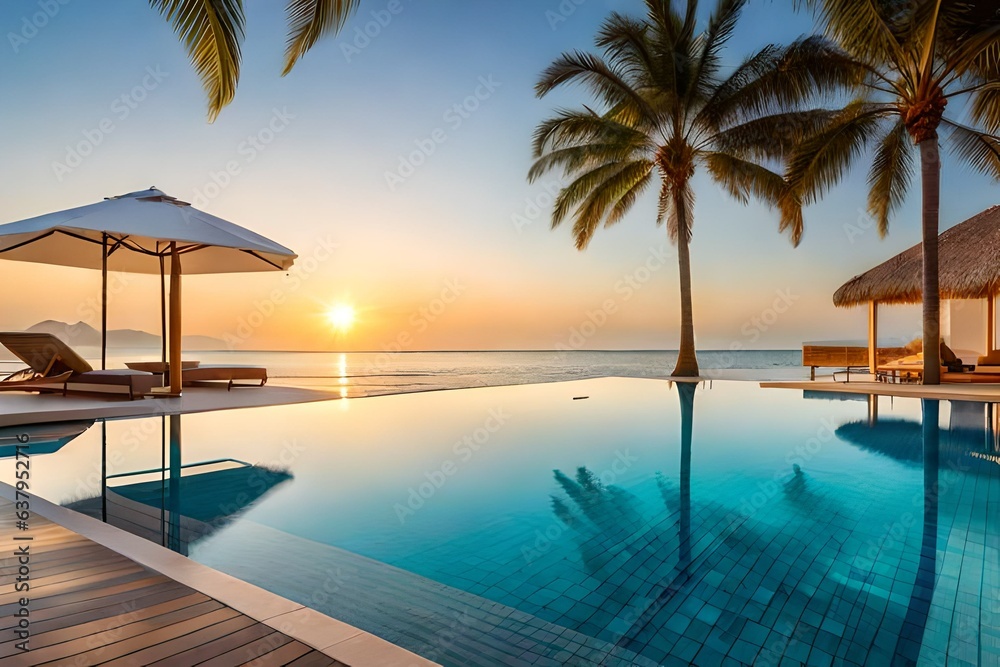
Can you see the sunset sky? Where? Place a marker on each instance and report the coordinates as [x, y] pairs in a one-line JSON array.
[[455, 253]]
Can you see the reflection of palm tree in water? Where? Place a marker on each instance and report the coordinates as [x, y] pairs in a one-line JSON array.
[[612, 510], [609, 516], [796, 486], [685, 391], [680, 501], [908, 648]]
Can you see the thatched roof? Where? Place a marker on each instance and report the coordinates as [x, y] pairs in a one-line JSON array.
[[969, 267]]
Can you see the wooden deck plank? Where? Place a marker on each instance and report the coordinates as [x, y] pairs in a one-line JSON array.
[[40, 627], [57, 610], [81, 575], [99, 648], [164, 648], [79, 588], [114, 642], [281, 656], [131, 614], [54, 567], [92, 606], [84, 593], [250, 651], [55, 554], [199, 654]]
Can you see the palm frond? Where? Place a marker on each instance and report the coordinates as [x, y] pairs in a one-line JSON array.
[[791, 221], [774, 136], [872, 30], [821, 160], [720, 29], [753, 67], [309, 20], [980, 150], [212, 31], [574, 128], [670, 201], [890, 175], [775, 79], [603, 80], [607, 195], [744, 179], [581, 188], [631, 194], [970, 38], [578, 158], [985, 109], [623, 40]]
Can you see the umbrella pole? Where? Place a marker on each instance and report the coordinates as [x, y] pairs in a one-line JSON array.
[[175, 320], [104, 302]]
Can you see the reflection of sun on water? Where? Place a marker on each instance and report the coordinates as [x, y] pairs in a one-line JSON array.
[[343, 375]]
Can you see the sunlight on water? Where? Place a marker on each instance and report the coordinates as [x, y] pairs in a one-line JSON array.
[[624, 515]]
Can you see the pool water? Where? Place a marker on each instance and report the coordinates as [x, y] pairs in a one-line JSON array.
[[597, 522]]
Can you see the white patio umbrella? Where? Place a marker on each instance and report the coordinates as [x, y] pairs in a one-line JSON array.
[[143, 232]]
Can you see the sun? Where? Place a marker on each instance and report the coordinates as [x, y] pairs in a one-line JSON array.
[[341, 317]]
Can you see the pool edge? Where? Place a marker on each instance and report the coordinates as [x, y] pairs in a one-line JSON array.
[[336, 639]]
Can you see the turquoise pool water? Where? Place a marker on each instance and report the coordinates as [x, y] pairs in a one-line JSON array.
[[612, 521]]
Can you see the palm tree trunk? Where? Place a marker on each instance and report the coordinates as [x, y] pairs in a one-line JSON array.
[[687, 362], [930, 175]]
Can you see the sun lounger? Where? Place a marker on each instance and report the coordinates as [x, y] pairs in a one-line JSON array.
[[50, 358], [911, 369], [231, 375], [196, 374], [21, 381]]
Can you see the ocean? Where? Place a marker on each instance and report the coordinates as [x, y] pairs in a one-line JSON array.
[[382, 372]]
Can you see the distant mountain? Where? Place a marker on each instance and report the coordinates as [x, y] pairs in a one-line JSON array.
[[82, 334]]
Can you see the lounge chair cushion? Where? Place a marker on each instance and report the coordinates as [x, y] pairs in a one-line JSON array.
[[134, 383]]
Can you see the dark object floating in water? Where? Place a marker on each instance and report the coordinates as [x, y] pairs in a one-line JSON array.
[[580, 398]]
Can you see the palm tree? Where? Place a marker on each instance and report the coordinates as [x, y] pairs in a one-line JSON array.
[[917, 55], [666, 110], [212, 31]]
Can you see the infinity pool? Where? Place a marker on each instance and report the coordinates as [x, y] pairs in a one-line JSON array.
[[598, 522]]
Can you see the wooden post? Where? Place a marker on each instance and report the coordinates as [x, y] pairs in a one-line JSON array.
[[991, 322], [872, 337], [175, 321], [163, 313], [104, 301]]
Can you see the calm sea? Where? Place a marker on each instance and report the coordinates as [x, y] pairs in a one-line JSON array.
[[426, 370], [435, 370]]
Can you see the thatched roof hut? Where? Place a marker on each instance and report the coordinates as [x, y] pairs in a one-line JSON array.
[[969, 267]]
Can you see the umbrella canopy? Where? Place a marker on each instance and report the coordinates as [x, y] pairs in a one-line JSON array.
[[143, 232], [138, 228]]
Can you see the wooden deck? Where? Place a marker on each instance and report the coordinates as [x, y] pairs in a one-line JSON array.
[[92, 606]]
